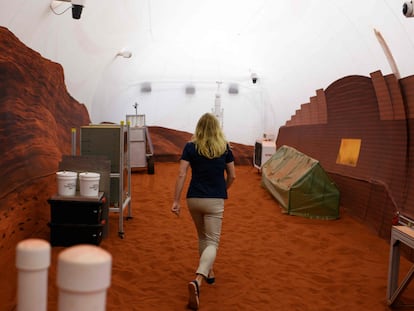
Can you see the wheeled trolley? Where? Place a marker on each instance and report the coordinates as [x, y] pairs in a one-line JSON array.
[[112, 141], [142, 150]]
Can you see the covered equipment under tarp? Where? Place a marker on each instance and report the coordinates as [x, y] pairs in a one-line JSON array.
[[300, 185]]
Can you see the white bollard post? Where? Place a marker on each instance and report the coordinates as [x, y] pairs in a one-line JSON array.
[[32, 263], [83, 276]]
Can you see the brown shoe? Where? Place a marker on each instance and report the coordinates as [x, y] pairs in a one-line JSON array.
[[193, 295]]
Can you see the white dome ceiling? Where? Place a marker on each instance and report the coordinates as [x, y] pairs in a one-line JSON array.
[[294, 47]]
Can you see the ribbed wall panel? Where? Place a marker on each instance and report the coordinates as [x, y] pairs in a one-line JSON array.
[[396, 97], [305, 114], [322, 106], [313, 107], [408, 190], [407, 88], [362, 195], [383, 96]]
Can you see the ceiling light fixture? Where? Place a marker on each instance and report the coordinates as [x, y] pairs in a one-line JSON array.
[[146, 87], [190, 89], [233, 88], [124, 54]]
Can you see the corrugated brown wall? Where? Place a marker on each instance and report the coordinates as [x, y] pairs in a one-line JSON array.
[[407, 90], [375, 109]]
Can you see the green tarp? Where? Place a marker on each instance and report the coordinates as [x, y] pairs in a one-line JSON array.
[[300, 185]]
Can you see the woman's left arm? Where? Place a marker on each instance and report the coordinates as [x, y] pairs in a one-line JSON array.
[[231, 174]]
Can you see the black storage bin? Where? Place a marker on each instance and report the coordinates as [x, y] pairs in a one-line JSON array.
[[72, 234], [77, 219], [75, 212]]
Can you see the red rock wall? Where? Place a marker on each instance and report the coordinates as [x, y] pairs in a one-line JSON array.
[[168, 146], [36, 117]]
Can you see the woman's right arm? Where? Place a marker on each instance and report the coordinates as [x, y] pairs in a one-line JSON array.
[[179, 184]]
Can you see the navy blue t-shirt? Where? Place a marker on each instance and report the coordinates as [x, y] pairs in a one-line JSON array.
[[207, 180]]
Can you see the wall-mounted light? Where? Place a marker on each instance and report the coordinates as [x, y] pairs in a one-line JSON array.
[[233, 88], [190, 89], [124, 54], [75, 5], [146, 87]]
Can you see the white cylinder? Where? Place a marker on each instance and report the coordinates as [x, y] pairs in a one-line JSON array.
[[83, 276], [89, 184], [32, 263], [66, 183]]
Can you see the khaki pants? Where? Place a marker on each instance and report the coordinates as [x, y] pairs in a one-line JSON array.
[[207, 215]]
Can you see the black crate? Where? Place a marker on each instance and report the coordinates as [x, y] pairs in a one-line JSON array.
[[76, 211], [72, 234]]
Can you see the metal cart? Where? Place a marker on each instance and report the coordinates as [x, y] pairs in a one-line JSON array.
[[112, 141], [142, 150]]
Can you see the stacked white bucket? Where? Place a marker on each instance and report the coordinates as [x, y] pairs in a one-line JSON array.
[[83, 276], [66, 183], [88, 183]]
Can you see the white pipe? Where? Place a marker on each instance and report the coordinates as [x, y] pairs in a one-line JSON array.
[[83, 276], [388, 54], [32, 262]]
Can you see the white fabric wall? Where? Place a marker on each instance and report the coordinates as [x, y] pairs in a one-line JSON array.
[[295, 47]]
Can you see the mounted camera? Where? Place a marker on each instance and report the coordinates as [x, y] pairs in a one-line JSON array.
[[77, 6], [407, 9], [59, 7], [254, 78]]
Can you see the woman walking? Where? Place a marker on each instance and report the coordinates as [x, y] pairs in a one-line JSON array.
[[212, 167]]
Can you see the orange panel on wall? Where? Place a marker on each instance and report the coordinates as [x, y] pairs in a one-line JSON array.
[[349, 151]]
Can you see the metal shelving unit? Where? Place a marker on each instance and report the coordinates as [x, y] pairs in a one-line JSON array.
[[142, 150], [112, 141]]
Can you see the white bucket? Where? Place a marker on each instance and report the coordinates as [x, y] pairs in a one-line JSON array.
[[89, 184], [66, 183]]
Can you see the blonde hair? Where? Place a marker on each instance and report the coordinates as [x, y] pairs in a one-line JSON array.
[[208, 137]]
